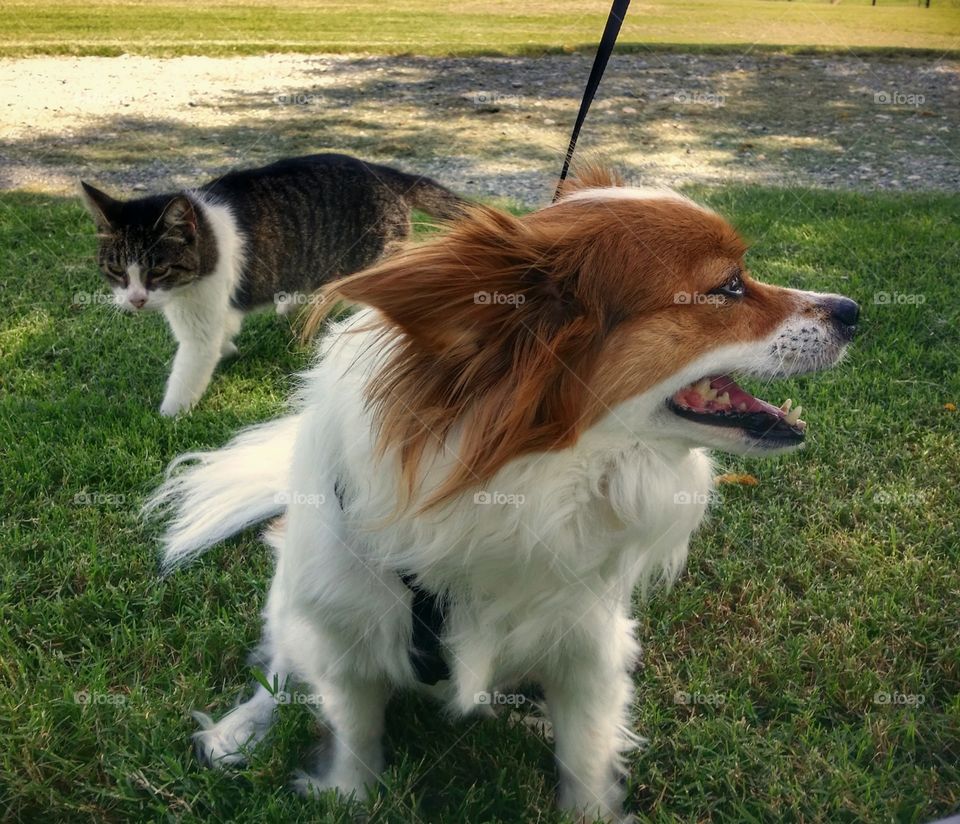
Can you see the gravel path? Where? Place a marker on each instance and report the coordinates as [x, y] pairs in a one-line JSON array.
[[486, 126]]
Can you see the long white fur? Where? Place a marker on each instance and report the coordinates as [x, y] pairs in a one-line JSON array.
[[538, 566], [229, 489]]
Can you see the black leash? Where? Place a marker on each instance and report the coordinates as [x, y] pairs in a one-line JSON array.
[[429, 615], [604, 50]]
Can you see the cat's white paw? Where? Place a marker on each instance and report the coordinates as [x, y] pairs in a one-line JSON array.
[[225, 743]]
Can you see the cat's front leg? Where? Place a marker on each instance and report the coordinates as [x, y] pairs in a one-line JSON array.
[[199, 325], [193, 367]]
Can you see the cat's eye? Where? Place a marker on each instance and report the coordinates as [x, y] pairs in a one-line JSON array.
[[159, 273], [114, 272]]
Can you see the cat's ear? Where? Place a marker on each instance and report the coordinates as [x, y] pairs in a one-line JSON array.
[[180, 218], [102, 207]]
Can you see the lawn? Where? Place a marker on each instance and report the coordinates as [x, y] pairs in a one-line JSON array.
[[805, 668], [108, 27]]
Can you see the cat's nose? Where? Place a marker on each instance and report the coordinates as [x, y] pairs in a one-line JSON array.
[[139, 302]]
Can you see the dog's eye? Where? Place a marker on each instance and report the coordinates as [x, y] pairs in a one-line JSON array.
[[733, 288]]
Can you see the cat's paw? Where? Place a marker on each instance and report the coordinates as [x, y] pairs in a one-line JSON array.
[[228, 350]]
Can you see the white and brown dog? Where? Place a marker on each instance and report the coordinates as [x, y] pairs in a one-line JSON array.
[[516, 428]]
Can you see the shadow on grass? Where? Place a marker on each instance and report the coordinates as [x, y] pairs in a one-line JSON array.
[[499, 125]]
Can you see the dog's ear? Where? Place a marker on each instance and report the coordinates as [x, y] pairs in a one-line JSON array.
[[481, 283], [101, 206], [493, 334]]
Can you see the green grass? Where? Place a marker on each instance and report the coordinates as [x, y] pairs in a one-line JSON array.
[[834, 579], [107, 27]]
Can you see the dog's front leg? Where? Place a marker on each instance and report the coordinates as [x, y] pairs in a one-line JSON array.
[[354, 711], [589, 699]]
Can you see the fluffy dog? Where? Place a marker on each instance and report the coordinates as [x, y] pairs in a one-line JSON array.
[[513, 433]]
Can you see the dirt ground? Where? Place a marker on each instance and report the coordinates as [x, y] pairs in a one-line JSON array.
[[488, 127]]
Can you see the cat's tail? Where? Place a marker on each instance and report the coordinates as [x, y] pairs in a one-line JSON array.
[[431, 197], [209, 496]]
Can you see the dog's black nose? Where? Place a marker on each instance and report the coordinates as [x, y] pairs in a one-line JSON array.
[[844, 312]]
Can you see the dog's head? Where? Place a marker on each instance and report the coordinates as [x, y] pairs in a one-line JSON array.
[[617, 308]]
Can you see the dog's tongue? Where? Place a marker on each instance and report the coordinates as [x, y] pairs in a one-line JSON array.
[[723, 394]]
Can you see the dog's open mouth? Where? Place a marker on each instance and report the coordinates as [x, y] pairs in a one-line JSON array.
[[719, 401]]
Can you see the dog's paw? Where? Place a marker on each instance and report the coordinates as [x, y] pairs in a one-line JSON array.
[[581, 817], [349, 783], [226, 743], [173, 406], [310, 786]]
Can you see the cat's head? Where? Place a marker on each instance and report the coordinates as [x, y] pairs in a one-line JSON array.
[[149, 247]]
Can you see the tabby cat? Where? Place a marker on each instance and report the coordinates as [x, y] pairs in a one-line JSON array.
[[207, 256]]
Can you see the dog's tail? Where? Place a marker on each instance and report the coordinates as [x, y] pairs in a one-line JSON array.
[[209, 496]]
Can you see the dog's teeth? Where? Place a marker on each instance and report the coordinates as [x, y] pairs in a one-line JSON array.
[[705, 390], [742, 407], [801, 425], [794, 416], [724, 399], [785, 408]]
